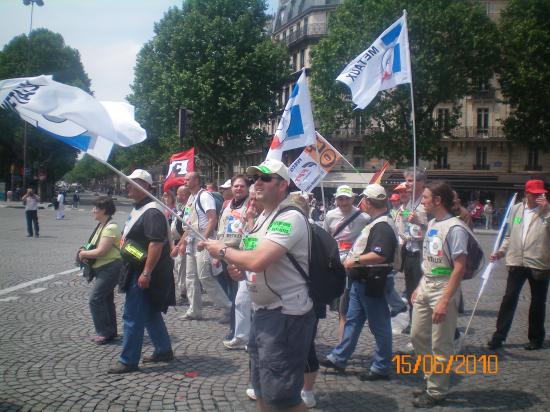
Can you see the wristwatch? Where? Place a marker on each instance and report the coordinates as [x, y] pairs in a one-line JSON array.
[[146, 275], [356, 260], [223, 251]]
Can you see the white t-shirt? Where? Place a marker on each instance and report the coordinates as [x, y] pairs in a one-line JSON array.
[[31, 203], [208, 203], [526, 221], [280, 285]]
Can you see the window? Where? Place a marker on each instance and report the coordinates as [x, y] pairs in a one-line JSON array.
[[533, 160], [295, 62], [441, 162], [483, 121], [302, 58], [443, 119], [305, 25], [359, 124], [481, 158], [358, 157]]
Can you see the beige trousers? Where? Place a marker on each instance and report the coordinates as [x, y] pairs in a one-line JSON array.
[[435, 340]]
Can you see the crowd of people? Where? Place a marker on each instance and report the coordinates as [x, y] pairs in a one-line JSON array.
[[245, 246]]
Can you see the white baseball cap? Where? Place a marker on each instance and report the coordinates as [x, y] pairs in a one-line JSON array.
[[226, 185], [375, 191], [344, 191], [270, 166], [142, 175]]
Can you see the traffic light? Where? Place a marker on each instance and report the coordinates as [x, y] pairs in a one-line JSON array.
[[185, 124]]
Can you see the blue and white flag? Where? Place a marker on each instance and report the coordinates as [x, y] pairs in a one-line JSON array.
[[296, 128], [71, 115], [384, 65]]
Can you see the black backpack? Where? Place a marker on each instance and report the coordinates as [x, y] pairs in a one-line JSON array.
[[475, 260], [326, 279]]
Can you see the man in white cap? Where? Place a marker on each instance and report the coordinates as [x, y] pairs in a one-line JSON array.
[[149, 281], [369, 263], [226, 192], [282, 325], [344, 223]]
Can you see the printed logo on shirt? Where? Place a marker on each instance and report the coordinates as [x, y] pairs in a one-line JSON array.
[[284, 228], [435, 246], [250, 242], [377, 249], [433, 232], [415, 230], [233, 224]]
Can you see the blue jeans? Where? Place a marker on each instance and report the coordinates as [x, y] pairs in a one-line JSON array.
[[137, 317], [32, 220], [376, 311]]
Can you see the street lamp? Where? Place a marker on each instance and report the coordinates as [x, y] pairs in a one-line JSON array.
[[39, 3]]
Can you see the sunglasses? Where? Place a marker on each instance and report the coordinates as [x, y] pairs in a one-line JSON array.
[[264, 178]]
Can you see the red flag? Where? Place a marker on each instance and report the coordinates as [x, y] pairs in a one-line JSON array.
[[180, 164], [377, 177]]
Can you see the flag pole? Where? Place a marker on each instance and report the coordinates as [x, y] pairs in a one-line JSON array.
[[321, 183], [489, 268], [413, 200], [151, 196]]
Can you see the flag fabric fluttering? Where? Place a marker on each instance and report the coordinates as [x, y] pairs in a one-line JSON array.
[[296, 128], [384, 65], [71, 115], [180, 164], [311, 167], [377, 177]]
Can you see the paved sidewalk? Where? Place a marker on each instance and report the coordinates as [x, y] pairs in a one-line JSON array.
[[48, 363]]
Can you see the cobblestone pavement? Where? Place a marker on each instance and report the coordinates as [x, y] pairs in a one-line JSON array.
[[48, 363]]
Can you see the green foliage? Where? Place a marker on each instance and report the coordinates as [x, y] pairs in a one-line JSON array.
[[451, 44], [215, 58], [525, 71], [86, 169], [44, 52]]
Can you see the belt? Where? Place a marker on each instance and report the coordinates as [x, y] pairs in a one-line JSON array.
[[408, 253]]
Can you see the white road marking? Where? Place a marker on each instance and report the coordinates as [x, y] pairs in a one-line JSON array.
[[36, 290], [9, 298], [35, 281]]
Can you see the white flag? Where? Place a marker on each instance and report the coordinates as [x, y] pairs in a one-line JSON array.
[[296, 128], [384, 65], [311, 167], [71, 115]]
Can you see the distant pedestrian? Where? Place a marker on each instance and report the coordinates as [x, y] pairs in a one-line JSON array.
[[103, 257], [30, 200], [60, 211], [76, 199], [488, 210]]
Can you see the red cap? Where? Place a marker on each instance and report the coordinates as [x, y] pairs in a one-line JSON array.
[[394, 197], [535, 186]]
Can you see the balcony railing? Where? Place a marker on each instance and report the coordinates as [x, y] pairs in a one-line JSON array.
[[478, 132], [536, 168], [442, 166], [313, 29], [484, 94]]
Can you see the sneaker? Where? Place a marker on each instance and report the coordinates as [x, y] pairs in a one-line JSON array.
[[409, 348], [122, 368], [533, 345], [37, 235], [427, 401], [235, 343], [371, 376], [190, 316], [309, 398], [329, 363], [419, 391], [29, 235], [494, 343], [159, 357], [251, 394]]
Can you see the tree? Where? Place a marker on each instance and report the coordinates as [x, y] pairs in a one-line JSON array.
[[451, 43], [525, 71], [44, 52], [215, 58], [87, 169]]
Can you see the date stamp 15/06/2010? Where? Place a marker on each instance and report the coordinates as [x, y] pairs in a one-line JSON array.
[[461, 364]]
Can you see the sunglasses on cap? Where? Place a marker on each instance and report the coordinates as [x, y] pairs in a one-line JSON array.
[[265, 178]]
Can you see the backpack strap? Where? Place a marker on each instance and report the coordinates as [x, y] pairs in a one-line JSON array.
[[288, 254], [346, 223]]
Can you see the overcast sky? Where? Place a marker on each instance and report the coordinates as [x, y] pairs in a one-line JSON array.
[[107, 33]]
